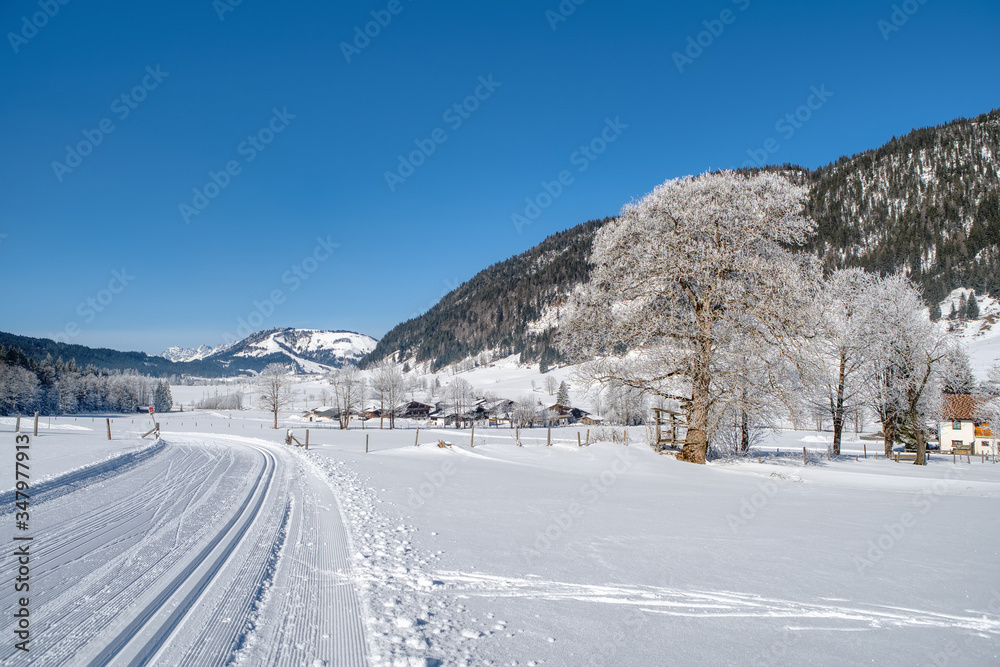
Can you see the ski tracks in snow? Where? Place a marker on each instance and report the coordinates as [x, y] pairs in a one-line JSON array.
[[216, 550]]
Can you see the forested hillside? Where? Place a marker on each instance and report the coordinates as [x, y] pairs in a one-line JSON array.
[[926, 203], [498, 306]]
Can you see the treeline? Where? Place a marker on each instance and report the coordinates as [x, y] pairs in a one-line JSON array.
[[58, 387]]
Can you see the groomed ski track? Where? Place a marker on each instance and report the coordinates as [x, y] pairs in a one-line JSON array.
[[216, 550]]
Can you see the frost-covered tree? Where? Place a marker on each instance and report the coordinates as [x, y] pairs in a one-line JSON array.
[[562, 395], [835, 358], [275, 386], [18, 388], [162, 398], [908, 370], [461, 396], [389, 388], [347, 392], [551, 384], [677, 274]]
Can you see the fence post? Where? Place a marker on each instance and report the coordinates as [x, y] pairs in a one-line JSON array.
[[472, 438], [416, 438], [108, 421], [866, 449], [588, 437], [579, 443], [548, 441], [366, 443], [36, 423], [307, 440], [17, 429], [804, 461]]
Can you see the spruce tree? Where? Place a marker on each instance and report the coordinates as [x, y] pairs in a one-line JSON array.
[[972, 307], [962, 306], [935, 311], [562, 395]]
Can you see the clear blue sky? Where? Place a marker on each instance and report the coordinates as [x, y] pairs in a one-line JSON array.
[[187, 282]]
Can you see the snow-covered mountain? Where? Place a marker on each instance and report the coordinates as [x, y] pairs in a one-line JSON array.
[[307, 350], [176, 353]]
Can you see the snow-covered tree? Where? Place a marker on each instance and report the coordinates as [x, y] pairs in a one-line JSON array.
[[551, 384], [275, 387], [834, 358], [162, 398], [347, 392], [677, 274], [18, 388], [908, 352], [389, 388], [562, 395], [461, 396]]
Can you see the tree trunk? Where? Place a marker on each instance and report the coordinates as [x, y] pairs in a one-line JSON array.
[[744, 432], [276, 418], [888, 433], [838, 407], [921, 458], [695, 448]]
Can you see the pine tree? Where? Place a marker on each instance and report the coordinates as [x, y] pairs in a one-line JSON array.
[[562, 395], [935, 311], [162, 399], [962, 306], [972, 307]]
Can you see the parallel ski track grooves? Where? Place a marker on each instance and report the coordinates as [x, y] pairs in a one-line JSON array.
[[233, 531]]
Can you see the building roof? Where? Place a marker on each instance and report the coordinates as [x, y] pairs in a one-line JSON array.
[[961, 406]]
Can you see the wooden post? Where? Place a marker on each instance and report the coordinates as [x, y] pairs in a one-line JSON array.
[[578, 442], [472, 439], [588, 437], [624, 436], [36, 424], [829, 453], [804, 460], [307, 440], [17, 428], [953, 456], [548, 441], [366, 443], [108, 420], [416, 438], [758, 456], [866, 449]]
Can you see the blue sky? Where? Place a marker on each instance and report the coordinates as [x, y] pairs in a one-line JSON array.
[[244, 176]]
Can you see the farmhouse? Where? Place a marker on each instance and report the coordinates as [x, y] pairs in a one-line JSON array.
[[963, 426]]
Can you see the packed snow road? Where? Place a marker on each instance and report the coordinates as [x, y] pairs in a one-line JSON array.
[[217, 549]]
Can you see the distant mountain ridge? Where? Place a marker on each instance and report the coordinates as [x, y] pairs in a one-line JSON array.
[[304, 350]]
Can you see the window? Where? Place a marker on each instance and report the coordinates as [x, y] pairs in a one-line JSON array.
[[956, 425], [956, 443]]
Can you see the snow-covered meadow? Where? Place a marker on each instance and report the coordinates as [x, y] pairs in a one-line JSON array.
[[564, 555]]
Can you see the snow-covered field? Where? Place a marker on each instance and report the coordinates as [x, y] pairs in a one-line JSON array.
[[223, 545]]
